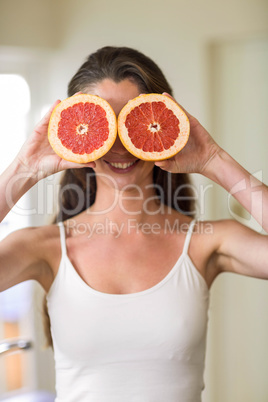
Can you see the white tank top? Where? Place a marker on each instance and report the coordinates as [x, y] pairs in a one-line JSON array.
[[140, 347]]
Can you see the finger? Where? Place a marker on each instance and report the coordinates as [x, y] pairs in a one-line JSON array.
[[137, 96], [50, 110], [43, 123], [73, 165], [90, 164], [46, 117], [164, 165]]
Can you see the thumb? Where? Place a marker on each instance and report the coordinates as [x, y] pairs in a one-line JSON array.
[[46, 117], [165, 164], [73, 165]]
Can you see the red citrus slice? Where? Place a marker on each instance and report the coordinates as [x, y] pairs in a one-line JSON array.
[[153, 127], [82, 128]]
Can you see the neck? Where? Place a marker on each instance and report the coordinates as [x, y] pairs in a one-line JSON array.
[[139, 203]]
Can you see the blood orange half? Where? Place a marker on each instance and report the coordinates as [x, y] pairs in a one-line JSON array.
[[153, 127], [82, 128]]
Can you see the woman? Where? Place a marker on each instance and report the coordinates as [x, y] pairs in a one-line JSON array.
[[127, 293]]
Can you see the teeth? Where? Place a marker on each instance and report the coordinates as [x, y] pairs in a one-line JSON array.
[[122, 165]]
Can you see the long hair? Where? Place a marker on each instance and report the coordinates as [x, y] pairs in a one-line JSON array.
[[117, 64]]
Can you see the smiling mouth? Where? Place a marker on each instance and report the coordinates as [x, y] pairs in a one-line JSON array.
[[122, 165]]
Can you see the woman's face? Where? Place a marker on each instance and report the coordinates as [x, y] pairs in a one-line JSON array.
[[118, 163]]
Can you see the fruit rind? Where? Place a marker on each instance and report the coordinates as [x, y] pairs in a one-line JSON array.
[[67, 154], [154, 156]]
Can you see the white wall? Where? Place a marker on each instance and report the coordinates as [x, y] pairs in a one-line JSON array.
[[28, 23], [238, 349], [178, 35]]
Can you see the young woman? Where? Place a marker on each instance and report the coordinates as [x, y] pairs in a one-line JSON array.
[[128, 273]]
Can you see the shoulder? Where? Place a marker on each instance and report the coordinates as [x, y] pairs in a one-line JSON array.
[[34, 237], [30, 237], [29, 253], [212, 232], [206, 244], [47, 242], [220, 232], [216, 231], [42, 243], [214, 236], [229, 246]]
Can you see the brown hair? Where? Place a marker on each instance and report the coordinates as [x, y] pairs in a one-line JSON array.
[[118, 63]]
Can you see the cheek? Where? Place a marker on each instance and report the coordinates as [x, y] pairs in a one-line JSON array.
[[100, 168], [145, 171], [149, 166]]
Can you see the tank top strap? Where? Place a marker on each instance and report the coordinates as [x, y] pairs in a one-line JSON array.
[[62, 238], [188, 237]]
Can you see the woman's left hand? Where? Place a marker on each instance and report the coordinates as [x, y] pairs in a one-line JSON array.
[[196, 155]]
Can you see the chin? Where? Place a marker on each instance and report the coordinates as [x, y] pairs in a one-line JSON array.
[[137, 174]]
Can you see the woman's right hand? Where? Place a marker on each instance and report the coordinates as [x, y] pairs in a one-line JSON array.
[[37, 157]]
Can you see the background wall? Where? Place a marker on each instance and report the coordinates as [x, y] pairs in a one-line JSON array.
[[214, 54]]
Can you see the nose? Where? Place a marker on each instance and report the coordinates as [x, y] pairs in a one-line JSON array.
[[118, 147]]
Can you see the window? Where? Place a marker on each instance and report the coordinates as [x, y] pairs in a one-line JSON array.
[[15, 302]]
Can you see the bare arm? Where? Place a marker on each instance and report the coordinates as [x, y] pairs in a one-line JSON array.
[[14, 183], [21, 253], [249, 191], [236, 248], [35, 161], [240, 249], [203, 155], [21, 259]]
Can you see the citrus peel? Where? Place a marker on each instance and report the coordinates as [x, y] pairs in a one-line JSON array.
[[153, 127], [82, 128]]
